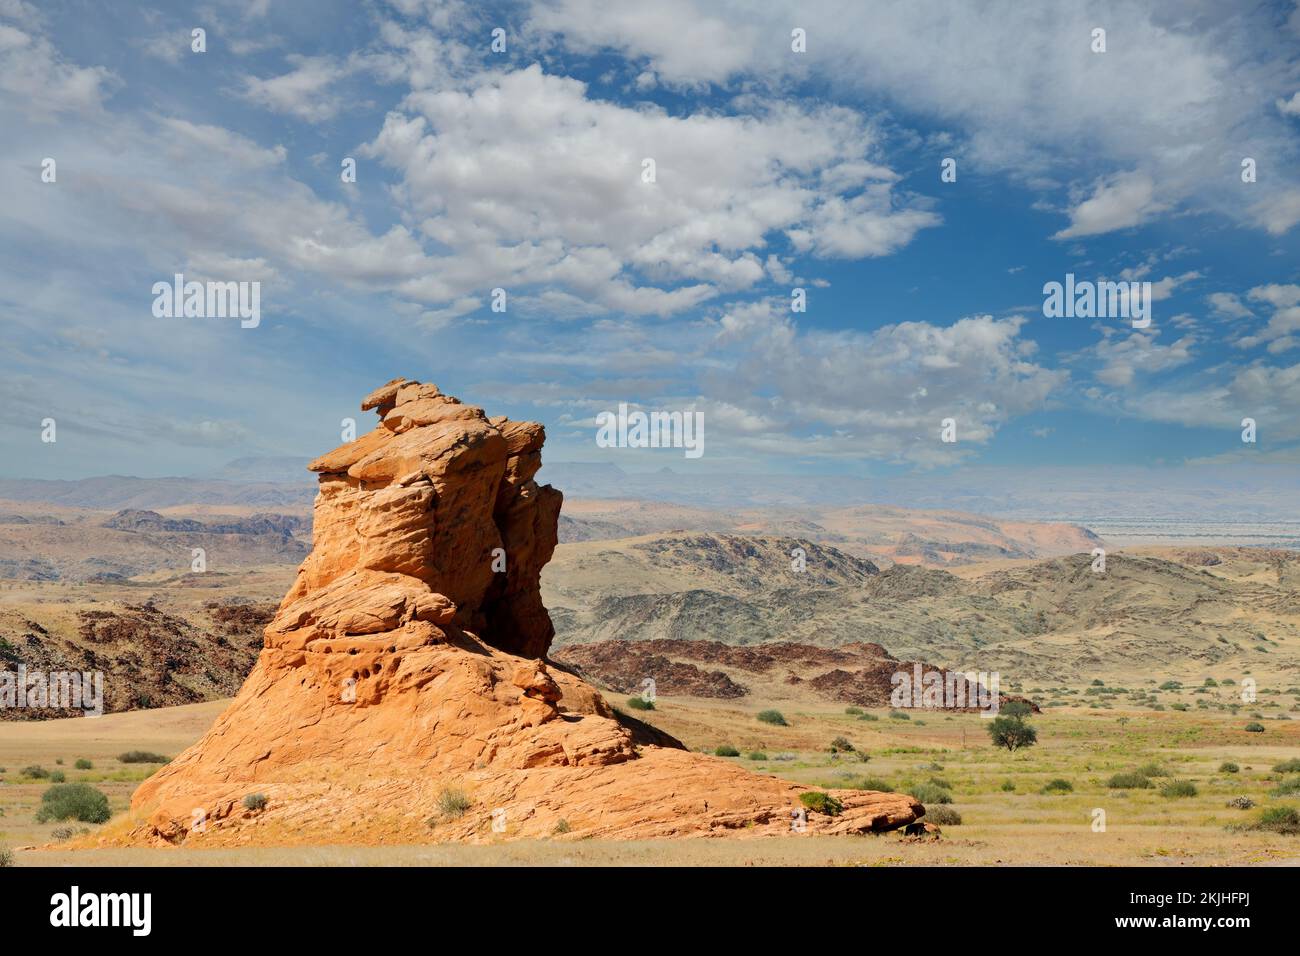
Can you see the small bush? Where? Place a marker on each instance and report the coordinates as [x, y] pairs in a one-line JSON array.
[[875, 783], [141, 756], [1178, 788], [1279, 820], [1009, 786], [943, 816], [453, 804], [255, 802], [1059, 785], [854, 711], [1128, 781], [899, 715], [819, 802], [868, 717], [36, 772], [774, 717], [1254, 728], [6, 857], [1016, 708], [640, 703], [73, 801], [756, 755], [726, 750], [1153, 770], [58, 776], [84, 764], [1241, 803], [1288, 766], [562, 827], [1288, 787], [60, 834], [842, 745], [1229, 767], [929, 793]]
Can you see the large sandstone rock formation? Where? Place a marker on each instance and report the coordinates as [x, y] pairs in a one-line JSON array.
[[408, 661]]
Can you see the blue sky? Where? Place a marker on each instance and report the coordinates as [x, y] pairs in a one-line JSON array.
[[775, 169]]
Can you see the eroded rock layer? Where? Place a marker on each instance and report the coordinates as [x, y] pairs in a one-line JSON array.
[[403, 695]]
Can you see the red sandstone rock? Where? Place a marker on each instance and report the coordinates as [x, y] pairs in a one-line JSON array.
[[408, 658]]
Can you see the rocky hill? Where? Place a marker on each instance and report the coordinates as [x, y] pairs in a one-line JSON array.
[[858, 674], [75, 545], [1055, 620]]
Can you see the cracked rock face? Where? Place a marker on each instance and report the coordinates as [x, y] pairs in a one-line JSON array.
[[409, 660]]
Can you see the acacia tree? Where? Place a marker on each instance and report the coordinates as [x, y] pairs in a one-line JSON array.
[[1012, 733]]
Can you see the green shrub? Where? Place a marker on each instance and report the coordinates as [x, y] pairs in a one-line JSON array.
[[6, 857], [1288, 766], [36, 772], [58, 776], [854, 711], [562, 827], [1229, 767], [757, 755], [1009, 786], [899, 715], [1241, 803], [142, 756], [255, 802], [1059, 785], [640, 703], [1279, 820], [1128, 781], [929, 793], [1153, 770], [1016, 708], [875, 783], [62, 834], [942, 816], [1178, 788], [726, 750], [453, 804], [73, 801], [842, 745], [1254, 728], [868, 717], [819, 802], [1012, 733], [1289, 786], [84, 764], [774, 717]]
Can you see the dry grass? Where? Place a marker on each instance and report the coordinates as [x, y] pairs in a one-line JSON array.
[[1000, 827]]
